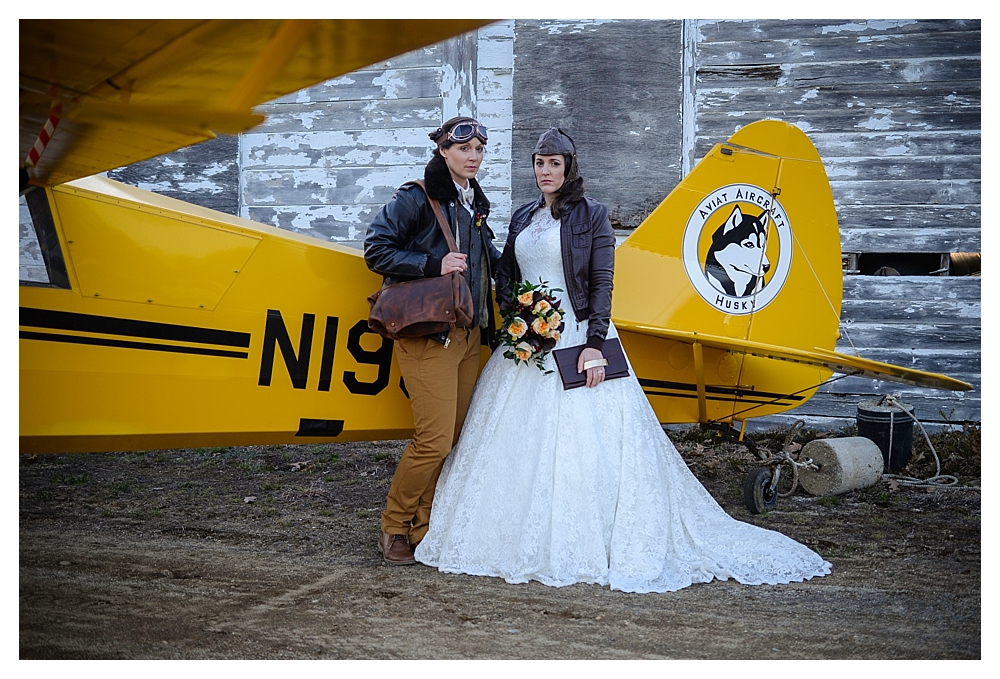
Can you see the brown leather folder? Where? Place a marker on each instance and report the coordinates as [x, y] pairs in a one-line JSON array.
[[567, 358]]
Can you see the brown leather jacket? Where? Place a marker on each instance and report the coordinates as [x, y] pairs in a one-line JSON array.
[[588, 254]]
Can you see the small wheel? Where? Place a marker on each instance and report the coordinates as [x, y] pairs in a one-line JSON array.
[[758, 494]]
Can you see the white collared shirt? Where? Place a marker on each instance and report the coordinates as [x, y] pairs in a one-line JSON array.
[[462, 192]]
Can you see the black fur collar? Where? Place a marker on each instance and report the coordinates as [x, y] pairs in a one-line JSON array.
[[440, 185]]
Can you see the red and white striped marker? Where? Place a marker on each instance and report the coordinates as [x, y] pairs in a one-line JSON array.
[[55, 113]]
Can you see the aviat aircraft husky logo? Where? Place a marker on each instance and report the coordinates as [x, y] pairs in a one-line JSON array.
[[738, 248]]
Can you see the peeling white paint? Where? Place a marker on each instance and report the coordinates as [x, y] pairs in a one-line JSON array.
[[156, 187], [810, 94], [897, 151], [914, 72], [576, 26], [390, 84], [876, 122], [552, 98], [868, 25], [842, 172], [872, 38], [306, 118], [736, 114], [200, 186], [215, 168], [809, 53], [804, 126]]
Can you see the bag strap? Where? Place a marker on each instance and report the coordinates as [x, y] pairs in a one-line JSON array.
[[439, 213]]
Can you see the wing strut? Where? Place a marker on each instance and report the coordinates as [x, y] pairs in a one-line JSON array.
[[269, 63], [699, 378]]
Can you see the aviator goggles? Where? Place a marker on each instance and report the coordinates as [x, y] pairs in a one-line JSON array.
[[464, 132]]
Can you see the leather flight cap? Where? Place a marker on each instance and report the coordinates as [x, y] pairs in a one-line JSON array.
[[554, 142]]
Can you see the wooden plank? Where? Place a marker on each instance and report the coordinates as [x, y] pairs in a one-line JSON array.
[[623, 112], [902, 217], [954, 361], [923, 336], [902, 168], [941, 239], [946, 96], [352, 115], [938, 118], [903, 310], [831, 424], [835, 48], [315, 186], [842, 73], [336, 148], [771, 29], [205, 174], [853, 144], [896, 288], [334, 223], [930, 408], [915, 192], [859, 385]]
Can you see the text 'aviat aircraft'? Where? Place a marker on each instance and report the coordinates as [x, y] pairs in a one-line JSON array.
[[167, 325]]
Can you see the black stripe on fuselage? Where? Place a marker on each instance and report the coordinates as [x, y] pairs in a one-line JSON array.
[[312, 427], [126, 344], [109, 325], [724, 399], [711, 389]]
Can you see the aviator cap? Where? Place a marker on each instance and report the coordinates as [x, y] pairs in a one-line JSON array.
[[554, 142]]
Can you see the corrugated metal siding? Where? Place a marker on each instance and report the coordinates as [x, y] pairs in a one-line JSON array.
[[894, 110]]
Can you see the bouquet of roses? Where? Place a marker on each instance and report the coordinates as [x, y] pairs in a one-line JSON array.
[[532, 326]]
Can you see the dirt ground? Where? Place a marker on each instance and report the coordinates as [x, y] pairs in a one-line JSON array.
[[269, 552]]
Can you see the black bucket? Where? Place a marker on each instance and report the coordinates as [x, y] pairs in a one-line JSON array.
[[890, 428]]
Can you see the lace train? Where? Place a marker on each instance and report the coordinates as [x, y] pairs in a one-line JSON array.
[[583, 485]]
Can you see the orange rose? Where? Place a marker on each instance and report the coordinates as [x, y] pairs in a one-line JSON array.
[[526, 298], [517, 328], [541, 326], [523, 351], [541, 307]]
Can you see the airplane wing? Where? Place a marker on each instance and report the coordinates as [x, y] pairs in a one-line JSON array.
[[100, 94], [831, 360]]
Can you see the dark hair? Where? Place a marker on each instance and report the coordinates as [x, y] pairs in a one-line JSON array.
[[572, 189], [444, 129]]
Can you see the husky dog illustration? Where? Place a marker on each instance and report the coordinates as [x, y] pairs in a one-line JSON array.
[[737, 261]]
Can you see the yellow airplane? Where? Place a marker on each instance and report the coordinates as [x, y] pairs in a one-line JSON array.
[[167, 325]]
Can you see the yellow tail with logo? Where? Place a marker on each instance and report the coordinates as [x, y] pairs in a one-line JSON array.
[[728, 295]]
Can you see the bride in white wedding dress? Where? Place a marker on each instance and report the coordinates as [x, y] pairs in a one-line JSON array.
[[582, 486]]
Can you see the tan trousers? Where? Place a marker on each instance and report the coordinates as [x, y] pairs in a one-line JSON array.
[[439, 381]]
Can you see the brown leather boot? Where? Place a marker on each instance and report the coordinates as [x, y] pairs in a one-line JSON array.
[[395, 550]]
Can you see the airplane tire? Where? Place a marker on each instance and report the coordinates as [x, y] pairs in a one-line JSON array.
[[758, 494]]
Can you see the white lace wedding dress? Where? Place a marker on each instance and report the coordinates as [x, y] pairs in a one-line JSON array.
[[583, 485]]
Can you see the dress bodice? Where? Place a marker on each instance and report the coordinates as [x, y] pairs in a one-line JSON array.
[[539, 252]]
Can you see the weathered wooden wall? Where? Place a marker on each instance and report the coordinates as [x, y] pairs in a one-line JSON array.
[[205, 174], [892, 106], [330, 156], [894, 109], [615, 88]]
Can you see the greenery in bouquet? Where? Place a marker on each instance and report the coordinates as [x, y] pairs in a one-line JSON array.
[[532, 325]]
